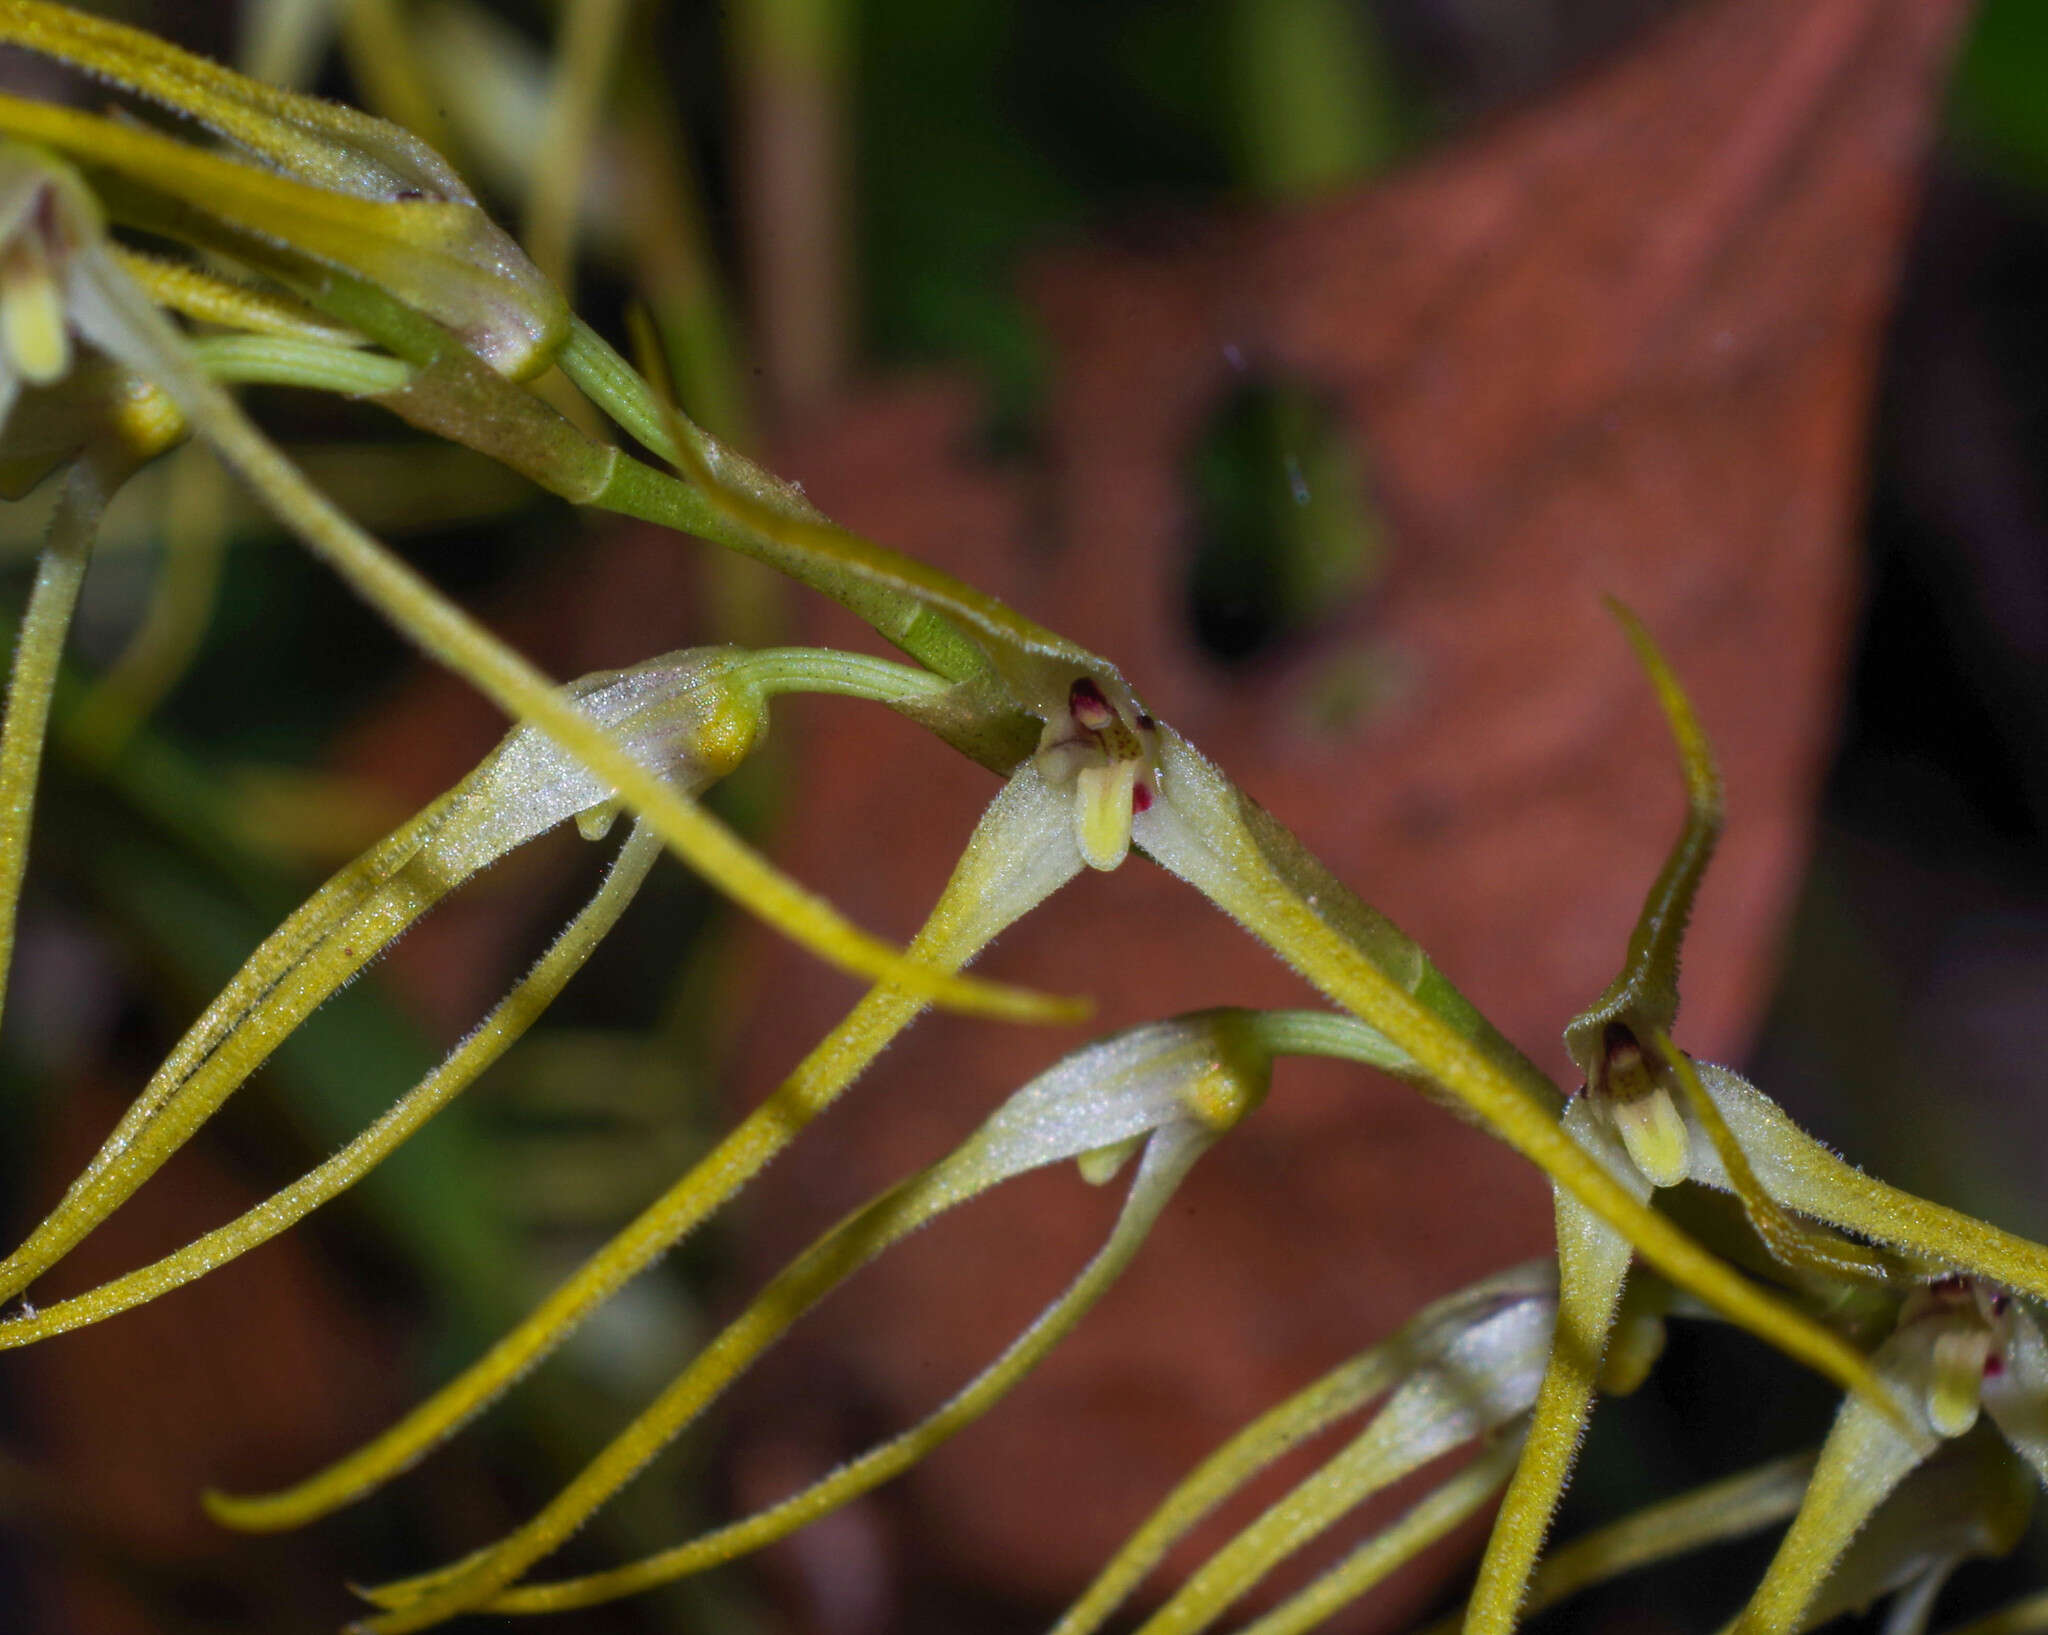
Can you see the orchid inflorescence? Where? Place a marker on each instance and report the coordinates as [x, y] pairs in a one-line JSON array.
[[328, 250]]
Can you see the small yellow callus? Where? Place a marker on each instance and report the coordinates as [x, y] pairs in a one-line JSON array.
[[1219, 1097], [145, 419], [1644, 1115], [1655, 1135], [727, 735], [1102, 812], [1955, 1386], [32, 327], [595, 822]]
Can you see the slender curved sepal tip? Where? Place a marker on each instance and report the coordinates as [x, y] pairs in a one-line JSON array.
[[1021, 852], [1643, 998], [507, 1022], [1183, 1082]]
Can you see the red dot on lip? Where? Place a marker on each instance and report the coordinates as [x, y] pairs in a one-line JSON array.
[[1141, 798], [1994, 1365]]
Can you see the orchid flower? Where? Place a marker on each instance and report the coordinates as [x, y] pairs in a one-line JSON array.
[[345, 255], [1092, 735], [690, 717], [1135, 782], [359, 218], [1021, 852], [1169, 1088], [1960, 1347], [1656, 1119]]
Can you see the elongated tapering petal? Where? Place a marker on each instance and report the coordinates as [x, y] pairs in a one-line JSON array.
[[1021, 852], [1643, 998], [507, 1021], [1167, 1155], [1191, 1079], [1807, 1175], [1429, 1334], [1468, 1375], [683, 717]]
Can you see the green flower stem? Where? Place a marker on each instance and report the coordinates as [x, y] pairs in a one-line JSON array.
[[640, 491], [1009, 867], [777, 670], [616, 387], [1593, 1262], [1330, 1033], [919, 608], [451, 637], [1168, 1157], [512, 1016], [38, 647], [284, 360], [1434, 1517], [1282, 1428], [454, 397]]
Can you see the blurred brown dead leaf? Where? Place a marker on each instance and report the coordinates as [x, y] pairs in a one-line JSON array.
[[1623, 343]]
